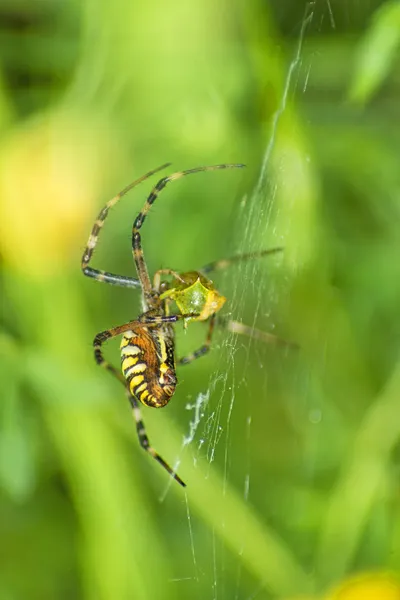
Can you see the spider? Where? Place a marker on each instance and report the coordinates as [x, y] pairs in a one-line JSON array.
[[148, 346]]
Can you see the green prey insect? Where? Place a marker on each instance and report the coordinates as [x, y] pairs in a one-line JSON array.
[[148, 342], [194, 292]]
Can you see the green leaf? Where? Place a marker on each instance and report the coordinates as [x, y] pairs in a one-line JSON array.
[[376, 53]]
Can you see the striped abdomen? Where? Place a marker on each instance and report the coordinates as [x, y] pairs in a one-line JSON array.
[[148, 364]]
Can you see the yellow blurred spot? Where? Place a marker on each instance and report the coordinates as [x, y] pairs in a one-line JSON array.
[[302, 597], [50, 179], [371, 586]]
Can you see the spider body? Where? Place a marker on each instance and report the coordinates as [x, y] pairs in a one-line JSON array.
[[148, 364], [148, 342]]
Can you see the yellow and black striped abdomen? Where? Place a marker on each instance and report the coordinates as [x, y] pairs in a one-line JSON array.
[[147, 361]]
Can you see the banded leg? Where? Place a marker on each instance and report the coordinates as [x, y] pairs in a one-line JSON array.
[[219, 265], [136, 238], [144, 320], [256, 334], [203, 349], [157, 320], [234, 327], [140, 428], [104, 276], [102, 337], [144, 440]]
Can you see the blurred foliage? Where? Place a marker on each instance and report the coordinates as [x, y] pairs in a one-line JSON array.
[[292, 464]]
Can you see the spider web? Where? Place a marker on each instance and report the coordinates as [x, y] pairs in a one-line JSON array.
[[207, 423], [210, 416]]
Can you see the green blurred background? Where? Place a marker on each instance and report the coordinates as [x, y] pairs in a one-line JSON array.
[[291, 457]]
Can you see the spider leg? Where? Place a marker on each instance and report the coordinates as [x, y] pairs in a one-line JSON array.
[[102, 337], [140, 428], [185, 360], [157, 277], [256, 334], [144, 440], [150, 320], [219, 265], [104, 276], [234, 327], [136, 237], [144, 320]]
